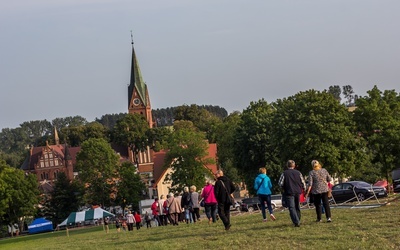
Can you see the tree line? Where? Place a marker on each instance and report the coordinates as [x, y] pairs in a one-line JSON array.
[[362, 144]]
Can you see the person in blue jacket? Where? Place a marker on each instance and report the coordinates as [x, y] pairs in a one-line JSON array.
[[263, 186]]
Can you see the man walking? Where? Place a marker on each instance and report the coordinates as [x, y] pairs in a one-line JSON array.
[[293, 184], [223, 189]]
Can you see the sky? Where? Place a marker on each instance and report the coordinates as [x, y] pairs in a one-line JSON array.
[[72, 57]]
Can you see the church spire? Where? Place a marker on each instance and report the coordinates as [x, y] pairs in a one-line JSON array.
[[56, 138], [136, 82]]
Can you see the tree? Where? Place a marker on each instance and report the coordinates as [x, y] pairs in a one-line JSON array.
[[226, 143], [201, 118], [252, 144], [335, 91], [313, 125], [348, 94], [109, 121], [129, 186], [132, 132], [378, 121], [96, 163], [186, 156], [66, 197], [18, 193]]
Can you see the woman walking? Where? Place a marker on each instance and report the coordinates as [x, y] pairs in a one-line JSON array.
[[318, 186], [210, 202], [263, 186]]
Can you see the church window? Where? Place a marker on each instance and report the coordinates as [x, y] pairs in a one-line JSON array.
[[51, 163], [42, 164]]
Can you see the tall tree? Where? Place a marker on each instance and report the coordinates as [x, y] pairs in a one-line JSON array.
[[335, 91], [109, 121], [313, 125], [132, 132], [96, 163], [348, 93], [129, 186], [226, 143], [18, 193], [187, 151], [253, 147], [378, 119], [204, 120], [66, 197]]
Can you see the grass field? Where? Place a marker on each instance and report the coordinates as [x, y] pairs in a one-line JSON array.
[[357, 228]]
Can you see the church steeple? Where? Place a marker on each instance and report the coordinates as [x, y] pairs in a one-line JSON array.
[[138, 96]]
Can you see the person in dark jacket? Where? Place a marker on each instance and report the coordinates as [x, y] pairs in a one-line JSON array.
[[293, 184], [223, 189]]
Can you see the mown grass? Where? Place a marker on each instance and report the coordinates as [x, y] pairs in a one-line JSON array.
[[361, 228]]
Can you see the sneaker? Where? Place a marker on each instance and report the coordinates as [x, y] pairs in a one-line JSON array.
[[228, 227], [272, 216], [264, 220], [297, 225], [318, 220], [329, 220], [209, 222]]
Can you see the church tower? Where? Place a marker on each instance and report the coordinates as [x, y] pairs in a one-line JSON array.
[[139, 103], [138, 95]]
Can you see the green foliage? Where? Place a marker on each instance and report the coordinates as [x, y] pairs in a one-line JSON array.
[[157, 137], [67, 197], [313, 125], [348, 93], [96, 163], [225, 139], [253, 147], [129, 186], [204, 120], [335, 91], [186, 154], [18, 193], [132, 131], [166, 116], [109, 121], [378, 120]]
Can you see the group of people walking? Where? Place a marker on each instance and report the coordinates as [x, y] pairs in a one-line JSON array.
[[293, 185], [217, 198]]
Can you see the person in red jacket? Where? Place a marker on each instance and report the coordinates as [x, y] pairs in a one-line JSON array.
[[138, 220], [154, 212]]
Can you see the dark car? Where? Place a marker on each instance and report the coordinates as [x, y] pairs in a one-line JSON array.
[[252, 204], [356, 190]]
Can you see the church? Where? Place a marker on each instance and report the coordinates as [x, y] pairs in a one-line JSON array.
[[47, 161]]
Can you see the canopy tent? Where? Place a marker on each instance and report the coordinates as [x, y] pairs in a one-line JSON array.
[[91, 214], [40, 225]]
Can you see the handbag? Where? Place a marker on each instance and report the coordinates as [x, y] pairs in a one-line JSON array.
[[329, 193], [202, 203]]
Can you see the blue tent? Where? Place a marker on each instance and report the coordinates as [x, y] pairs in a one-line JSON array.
[[40, 225]]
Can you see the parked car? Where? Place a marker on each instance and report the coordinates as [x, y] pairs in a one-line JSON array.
[[253, 203], [351, 190], [235, 207], [396, 180]]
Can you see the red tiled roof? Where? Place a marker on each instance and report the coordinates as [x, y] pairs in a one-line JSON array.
[[158, 170]]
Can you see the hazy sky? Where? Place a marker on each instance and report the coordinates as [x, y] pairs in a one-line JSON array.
[[72, 57]]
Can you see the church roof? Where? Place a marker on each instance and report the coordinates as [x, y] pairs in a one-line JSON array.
[[136, 81]]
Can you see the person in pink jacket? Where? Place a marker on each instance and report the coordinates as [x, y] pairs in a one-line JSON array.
[[210, 202]]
